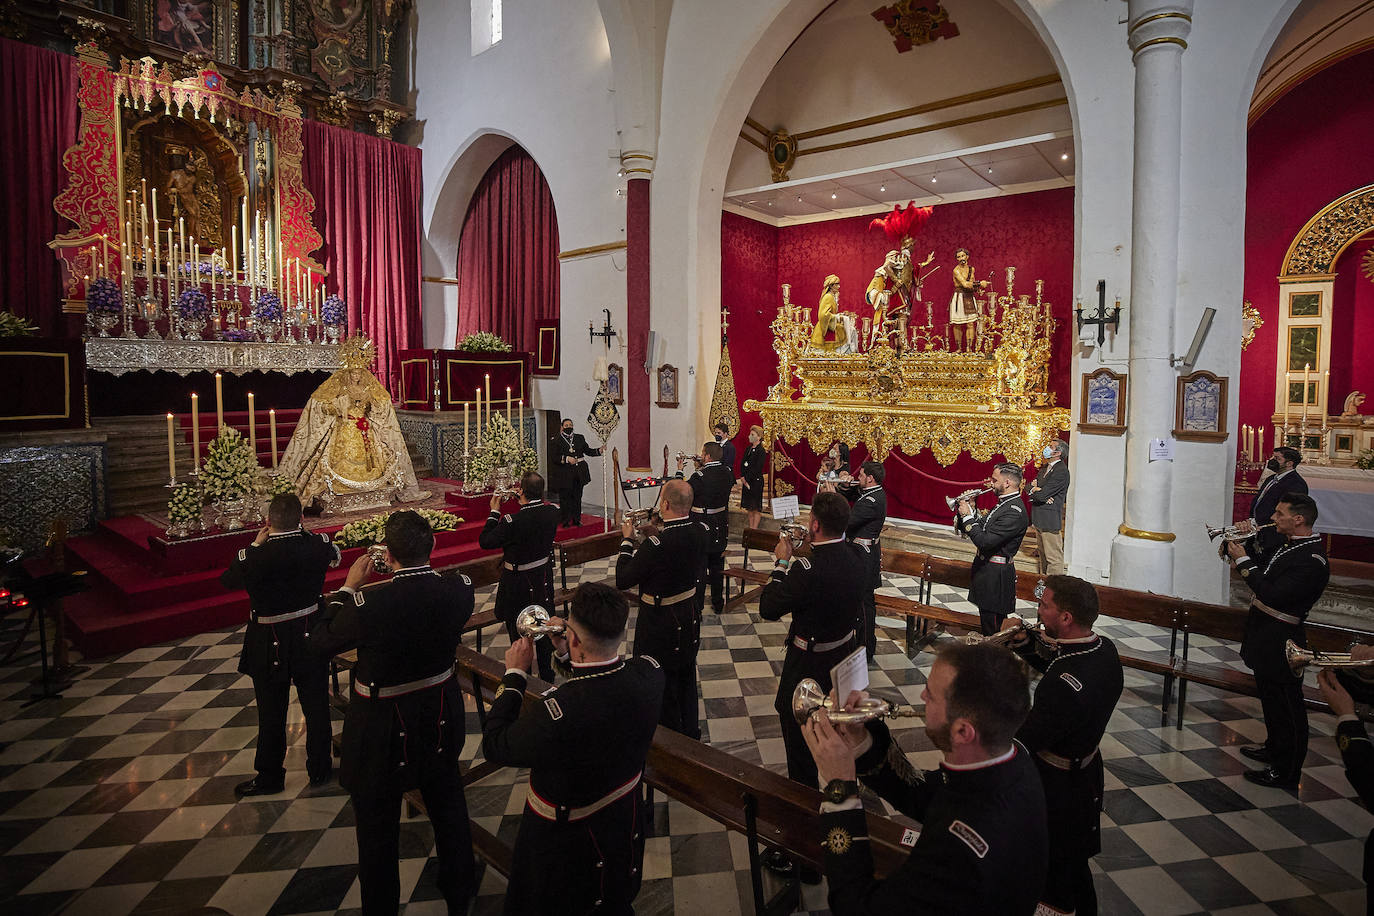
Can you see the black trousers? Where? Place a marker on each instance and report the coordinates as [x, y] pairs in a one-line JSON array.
[[378, 816], [679, 711], [1069, 885], [311, 677], [715, 577], [516, 591], [570, 505], [796, 665], [1285, 719]]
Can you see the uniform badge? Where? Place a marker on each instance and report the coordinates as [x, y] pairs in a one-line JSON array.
[[1072, 681], [651, 660], [555, 711], [653, 539], [910, 836], [971, 838], [1343, 742], [358, 599], [243, 555], [838, 841], [805, 563], [466, 580]]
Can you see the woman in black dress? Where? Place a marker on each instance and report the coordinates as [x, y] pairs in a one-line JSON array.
[[751, 476]]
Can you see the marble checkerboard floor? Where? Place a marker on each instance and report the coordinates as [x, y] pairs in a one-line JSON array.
[[118, 798]]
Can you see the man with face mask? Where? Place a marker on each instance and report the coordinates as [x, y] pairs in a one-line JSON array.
[[1283, 479], [568, 471], [721, 433], [1047, 499], [997, 536]]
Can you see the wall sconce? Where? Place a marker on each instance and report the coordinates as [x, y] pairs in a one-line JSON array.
[[606, 333], [1099, 317]]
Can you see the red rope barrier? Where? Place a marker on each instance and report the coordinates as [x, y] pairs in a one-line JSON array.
[[793, 464], [953, 483]]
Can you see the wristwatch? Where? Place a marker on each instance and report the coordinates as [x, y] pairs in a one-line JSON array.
[[837, 790]]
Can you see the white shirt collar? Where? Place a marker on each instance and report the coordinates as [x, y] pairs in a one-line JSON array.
[[982, 764], [1077, 639], [837, 540], [599, 664]]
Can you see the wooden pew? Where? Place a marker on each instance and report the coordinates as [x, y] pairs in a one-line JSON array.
[[577, 552], [751, 539]]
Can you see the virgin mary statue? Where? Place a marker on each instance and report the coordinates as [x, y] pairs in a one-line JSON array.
[[347, 451]]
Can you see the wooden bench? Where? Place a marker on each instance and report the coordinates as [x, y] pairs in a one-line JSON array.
[[577, 552], [750, 539]]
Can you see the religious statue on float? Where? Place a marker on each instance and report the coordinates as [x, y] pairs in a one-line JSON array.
[[965, 310], [347, 450], [897, 275], [828, 319]]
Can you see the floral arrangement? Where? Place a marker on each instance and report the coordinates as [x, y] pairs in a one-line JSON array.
[[268, 307], [193, 305], [11, 325], [203, 269], [333, 312], [229, 468], [1366, 460], [103, 297], [272, 484], [236, 335], [372, 530], [503, 452], [484, 342], [185, 504]]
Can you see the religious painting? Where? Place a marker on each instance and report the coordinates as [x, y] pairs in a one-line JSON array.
[[1304, 345], [615, 383], [667, 386], [1200, 408], [1103, 410], [187, 25], [1304, 305], [1295, 393]]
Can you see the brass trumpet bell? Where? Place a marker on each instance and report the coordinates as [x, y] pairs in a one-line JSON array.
[[534, 622], [952, 501], [1233, 532], [809, 697], [378, 554], [1299, 658]]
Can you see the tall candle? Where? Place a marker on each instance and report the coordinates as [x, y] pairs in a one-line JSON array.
[[487, 393], [478, 398], [1260, 450], [171, 450], [234, 255], [1287, 400], [252, 427], [219, 403], [156, 225], [1324, 394], [1306, 371], [465, 428], [272, 430], [195, 431], [507, 403], [521, 429]]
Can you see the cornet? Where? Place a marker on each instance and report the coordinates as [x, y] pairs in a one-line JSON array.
[[505, 493], [970, 495], [796, 534], [808, 697], [378, 554], [1299, 658], [534, 622], [1032, 629], [683, 456], [1233, 532]]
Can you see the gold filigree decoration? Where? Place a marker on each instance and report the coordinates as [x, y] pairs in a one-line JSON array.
[[357, 352], [1327, 234], [1367, 265], [724, 401], [781, 487], [838, 841], [387, 121], [1250, 322], [913, 24]]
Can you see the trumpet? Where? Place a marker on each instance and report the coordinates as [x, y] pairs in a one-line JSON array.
[[809, 697], [1300, 658], [505, 493], [1006, 637], [683, 456], [1233, 532], [796, 534], [378, 554], [644, 521], [534, 622], [970, 495]]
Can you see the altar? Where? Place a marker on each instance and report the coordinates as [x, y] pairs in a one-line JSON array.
[[1345, 499]]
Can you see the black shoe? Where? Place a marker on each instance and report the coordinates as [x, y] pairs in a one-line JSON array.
[[778, 862], [1256, 752], [321, 779], [1272, 778], [254, 787]]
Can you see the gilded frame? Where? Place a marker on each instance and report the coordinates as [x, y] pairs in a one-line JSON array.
[[1200, 408]]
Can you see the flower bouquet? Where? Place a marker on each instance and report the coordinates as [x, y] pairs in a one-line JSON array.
[[104, 304], [372, 530], [236, 335], [334, 317], [184, 508], [194, 309], [484, 342], [227, 475], [268, 314]]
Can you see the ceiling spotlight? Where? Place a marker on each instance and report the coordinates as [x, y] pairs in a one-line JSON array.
[[989, 170], [833, 195], [798, 198], [1063, 157], [933, 179], [770, 203], [882, 189], [620, 174]]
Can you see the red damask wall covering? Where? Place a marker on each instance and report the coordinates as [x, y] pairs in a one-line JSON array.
[[1032, 232]]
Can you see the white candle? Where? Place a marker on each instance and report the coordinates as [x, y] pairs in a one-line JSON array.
[[252, 427], [234, 255], [219, 403], [478, 398], [272, 429], [1260, 450], [1287, 400], [465, 428], [171, 450], [1306, 371], [520, 430], [156, 226], [507, 403], [195, 431]]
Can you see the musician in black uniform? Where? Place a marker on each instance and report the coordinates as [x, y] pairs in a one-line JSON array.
[[751, 470], [667, 567], [865, 527], [526, 540], [404, 726], [982, 845], [1284, 480], [1081, 681], [568, 471], [824, 596], [581, 842], [721, 433], [1352, 739], [1286, 583], [997, 536], [711, 485], [283, 571]]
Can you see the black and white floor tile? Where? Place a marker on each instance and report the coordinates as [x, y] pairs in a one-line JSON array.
[[118, 797]]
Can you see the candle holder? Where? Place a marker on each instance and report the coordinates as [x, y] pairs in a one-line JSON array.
[[149, 310], [130, 310]]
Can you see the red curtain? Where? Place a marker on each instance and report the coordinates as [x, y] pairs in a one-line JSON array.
[[37, 125], [508, 253], [368, 194]]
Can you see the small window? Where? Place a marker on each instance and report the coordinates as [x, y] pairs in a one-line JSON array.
[[486, 24]]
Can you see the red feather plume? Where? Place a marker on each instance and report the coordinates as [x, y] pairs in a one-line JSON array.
[[903, 222]]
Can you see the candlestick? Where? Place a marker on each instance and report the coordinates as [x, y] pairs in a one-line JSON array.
[[478, 398], [219, 403], [195, 433], [252, 428], [1306, 371], [272, 429], [171, 451]]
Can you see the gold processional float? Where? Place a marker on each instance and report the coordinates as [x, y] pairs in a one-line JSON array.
[[911, 388]]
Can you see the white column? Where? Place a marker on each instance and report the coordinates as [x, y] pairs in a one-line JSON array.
[[1143, 550]]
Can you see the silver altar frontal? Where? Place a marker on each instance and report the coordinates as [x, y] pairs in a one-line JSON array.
[[118, 355]]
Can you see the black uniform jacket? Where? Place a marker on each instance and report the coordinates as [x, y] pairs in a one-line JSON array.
[[1287, 581], [285, 574], [711, 485], [405, 630], [582, 742], [1358, 755], [1048, 502], [1271, 489], [823, 593], [524, 536], [1074, 699], [666, 564], [866, 519], [997, 534], [727, 455], [752, 466], [564, 476], [982, 847]]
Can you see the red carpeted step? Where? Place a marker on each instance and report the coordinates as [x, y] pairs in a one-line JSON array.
[[97, 630]]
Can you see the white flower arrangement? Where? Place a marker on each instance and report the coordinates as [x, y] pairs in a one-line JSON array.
[[372, 530], [503, 452], [483, 342], [230, 467], [270, 484], [186, 503]]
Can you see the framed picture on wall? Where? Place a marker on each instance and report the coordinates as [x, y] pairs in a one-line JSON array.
[[615, 383], [1103, 411], [667, 386], [1200, 408]]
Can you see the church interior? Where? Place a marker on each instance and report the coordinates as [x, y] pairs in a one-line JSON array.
[[259, 253]]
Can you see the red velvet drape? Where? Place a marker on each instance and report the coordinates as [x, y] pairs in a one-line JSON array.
[[37, 125], [368, 195], [508, 253]]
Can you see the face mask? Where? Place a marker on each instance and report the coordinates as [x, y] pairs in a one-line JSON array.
[[1048, 453], [719, 437], [1272, 464], [567, 430]]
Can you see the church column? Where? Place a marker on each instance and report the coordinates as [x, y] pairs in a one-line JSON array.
[[1143, 550], [639, 168]]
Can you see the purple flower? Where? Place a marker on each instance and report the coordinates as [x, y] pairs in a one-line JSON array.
[[103, 297], [333, 312], [237, 335], [193, 304], [268, 307]]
